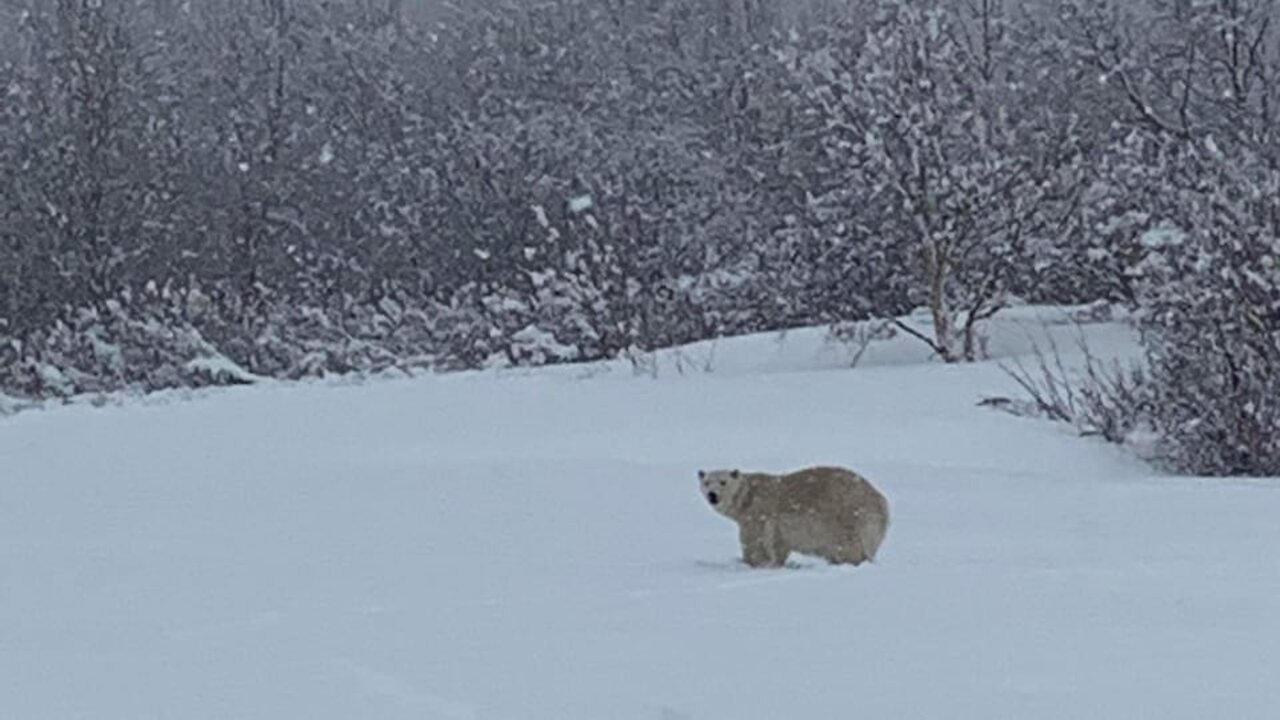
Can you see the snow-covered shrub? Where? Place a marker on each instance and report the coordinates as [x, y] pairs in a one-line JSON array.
[[1101, 398], [1207, 285], [534, 346], [955, 175], [858, 336], [352, 335], [134, 342], [1210, 296]]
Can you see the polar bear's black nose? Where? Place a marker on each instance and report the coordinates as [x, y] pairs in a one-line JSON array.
[[713, 498]]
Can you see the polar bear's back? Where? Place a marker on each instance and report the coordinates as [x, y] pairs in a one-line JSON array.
[[832, 488]]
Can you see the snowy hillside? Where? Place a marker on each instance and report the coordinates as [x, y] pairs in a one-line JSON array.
[[532, 545]]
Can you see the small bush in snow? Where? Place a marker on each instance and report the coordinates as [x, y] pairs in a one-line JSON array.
[[1105, 399]]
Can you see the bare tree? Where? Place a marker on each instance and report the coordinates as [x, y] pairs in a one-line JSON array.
[[955, 170]]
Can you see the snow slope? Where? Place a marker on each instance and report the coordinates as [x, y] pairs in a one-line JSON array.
[[532, 545]]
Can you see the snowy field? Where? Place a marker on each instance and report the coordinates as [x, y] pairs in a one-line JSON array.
[[532, 545]]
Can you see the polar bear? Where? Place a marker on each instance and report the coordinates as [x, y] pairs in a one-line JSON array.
[[829, 512]]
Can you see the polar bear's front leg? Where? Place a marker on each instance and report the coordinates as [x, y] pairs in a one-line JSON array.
[[762, 544]]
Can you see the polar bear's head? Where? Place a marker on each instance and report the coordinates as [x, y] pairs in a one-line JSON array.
[[721, 488]]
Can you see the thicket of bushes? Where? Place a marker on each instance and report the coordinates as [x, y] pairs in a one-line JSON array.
[[205, 192]]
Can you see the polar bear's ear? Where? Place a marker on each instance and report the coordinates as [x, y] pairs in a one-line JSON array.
[[734, 474], [702, 474]]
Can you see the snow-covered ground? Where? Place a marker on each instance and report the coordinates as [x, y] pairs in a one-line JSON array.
[[532, 545]]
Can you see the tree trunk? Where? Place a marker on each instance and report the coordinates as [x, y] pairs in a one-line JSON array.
[[936, 268]]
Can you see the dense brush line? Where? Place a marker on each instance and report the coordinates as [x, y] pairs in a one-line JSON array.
[[206, 192]]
